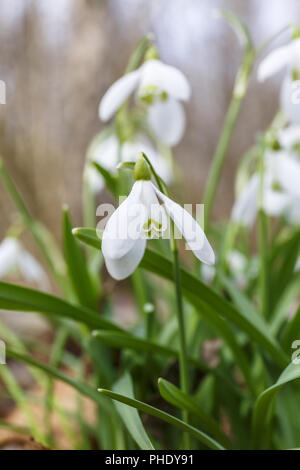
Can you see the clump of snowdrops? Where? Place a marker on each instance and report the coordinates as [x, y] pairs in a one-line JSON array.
[[208, 362]]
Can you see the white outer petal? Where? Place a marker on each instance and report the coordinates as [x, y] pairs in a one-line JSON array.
[[117, 94], [289, 136], [167, 120], [116, 240], [9, 253], [107, 153], [190, 229], [286, 171], [165, 78], [32, 270], [120, 268], [94, 179], [289, 97], [275, 203], [245, 207], [274, 61]]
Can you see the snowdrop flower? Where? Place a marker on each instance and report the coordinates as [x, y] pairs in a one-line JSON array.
[[289, 137], [281, 191], [287, 56], [13, 258], [160, 87], [140, 217], [108, 155]]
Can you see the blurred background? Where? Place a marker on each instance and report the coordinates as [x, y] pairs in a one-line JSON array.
[[58, 57]]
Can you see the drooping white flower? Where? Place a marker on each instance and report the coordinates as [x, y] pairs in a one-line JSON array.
[[137, 219], [280, 194], [289, 137], [109, 153], [13, 258], [161, 87], [287, 56]]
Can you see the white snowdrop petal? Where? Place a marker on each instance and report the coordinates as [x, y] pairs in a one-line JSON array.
[[9, 253], [288, 172], [245, 207], [31, 269], [274, 61], [167, 120], [120, 268], [122, 228], [107, 153], [166, 78], [289, 136], [190, 229], [290, 99], [275, 203], [94, 179], [117, 94]]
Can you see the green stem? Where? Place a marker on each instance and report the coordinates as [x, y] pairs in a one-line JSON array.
[[183, 363], [263, 240], [239, 92]]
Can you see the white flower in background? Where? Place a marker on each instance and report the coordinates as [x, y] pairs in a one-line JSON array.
[[287, 56], [14, 259], [281, 191], [138, 218], [159, 86], [239, 267], [289, 137], [108, 155]]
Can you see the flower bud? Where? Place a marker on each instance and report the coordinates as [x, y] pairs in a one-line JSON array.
[[141, 169]]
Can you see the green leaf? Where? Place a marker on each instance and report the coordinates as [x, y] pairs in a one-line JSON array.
[[84, 389], [292, 327], [14, 297], [201, 436], [176, 397], [283, 264], [77, 267], [129, 415], [201, 295], [263, 402], [111, 181], [123, 340]]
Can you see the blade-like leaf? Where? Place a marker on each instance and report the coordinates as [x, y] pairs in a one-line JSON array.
[[176, 397], [77, 267], [201, 295], [14, 297], [129, 415], [139, 405], [110, 180], [263, 402], [86, 390]]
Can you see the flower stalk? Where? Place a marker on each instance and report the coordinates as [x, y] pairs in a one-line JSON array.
[[239, 92]]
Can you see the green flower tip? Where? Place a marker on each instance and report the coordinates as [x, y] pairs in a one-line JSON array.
[[296, 32], [151, 54], [141, 169]]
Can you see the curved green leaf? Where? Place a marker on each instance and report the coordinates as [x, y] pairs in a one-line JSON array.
[[176, 397], [14, 297], [263, 402], [129, 415], [139, 405], [84, 389], [76, 264]]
